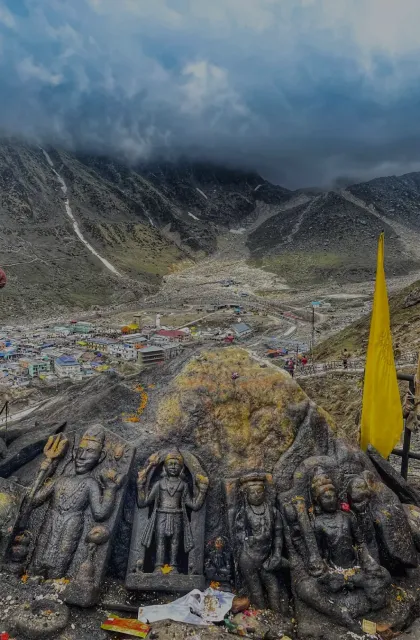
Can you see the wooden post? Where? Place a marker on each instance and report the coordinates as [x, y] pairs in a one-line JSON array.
[[407, 432]]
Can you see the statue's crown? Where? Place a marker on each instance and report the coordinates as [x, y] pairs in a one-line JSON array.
[[174, 455], [94, 434], [253, 478], [321, 482]]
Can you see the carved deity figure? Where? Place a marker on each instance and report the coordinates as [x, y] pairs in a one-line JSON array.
[[69, 497], [259, 537], [218, 563], [336, 531], [170, 497], [359, 498], [342, 545]]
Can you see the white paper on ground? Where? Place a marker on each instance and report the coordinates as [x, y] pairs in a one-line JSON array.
[[197, 607]]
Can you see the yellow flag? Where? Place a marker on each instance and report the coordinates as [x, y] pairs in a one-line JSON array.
[[382, 418]]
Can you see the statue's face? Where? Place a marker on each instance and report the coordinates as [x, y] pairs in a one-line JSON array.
[[359, 494], [256, 494], [219, 544], [173, 467], [87, 457], [327, 500]]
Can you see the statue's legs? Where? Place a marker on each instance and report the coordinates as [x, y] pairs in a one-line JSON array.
[[175, 541], [160, 551], [309, 591], [57, 545], [160, 540], [278, 599], [251, 576]]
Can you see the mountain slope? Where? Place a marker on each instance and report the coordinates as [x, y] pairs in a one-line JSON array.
[[329, 237], [140, 221], [395, 197], [405, 325]]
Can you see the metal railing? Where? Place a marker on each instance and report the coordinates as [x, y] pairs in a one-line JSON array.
[[405, 453], [353, 364]]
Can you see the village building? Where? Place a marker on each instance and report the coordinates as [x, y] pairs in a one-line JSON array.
[[159, 341], [174, 335], [37, 367], [9, 353], [150, 356], [100, 344], [135, 338], [83, 327], [241, 330], [125, 351], [137, 319], [67, 367], [62, 330], [171, 350], [147, 331]]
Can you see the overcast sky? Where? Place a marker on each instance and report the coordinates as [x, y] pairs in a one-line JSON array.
[[305, 91]]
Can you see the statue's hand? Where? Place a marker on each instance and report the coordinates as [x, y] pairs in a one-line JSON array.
[[272, 563], [56, 447], [316, 568], [202, 482], [153, 460], [142, 477], [112, 479]]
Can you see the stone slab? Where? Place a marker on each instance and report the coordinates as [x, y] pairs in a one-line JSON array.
[[165, 582]]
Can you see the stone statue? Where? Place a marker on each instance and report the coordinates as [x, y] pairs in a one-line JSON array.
[[218, 566], [328, 544], [170, 497], [11, 497], [84, 580], [359, 496], [79, 484], [69, 496], [258, 534], [335, 530], [342, 545], [166, 527]]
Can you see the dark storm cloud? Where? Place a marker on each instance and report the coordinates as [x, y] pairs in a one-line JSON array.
[[304, 91]]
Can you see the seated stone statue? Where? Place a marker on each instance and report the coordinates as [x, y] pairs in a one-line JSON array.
[[343, 548], [332, 569], [218, 562], [359, 497], [259, 537]]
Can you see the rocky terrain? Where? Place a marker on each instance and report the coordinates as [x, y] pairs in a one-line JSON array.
[[330, 237], [258, 422], [81, 230], [395, 196], [405, 326], [141, 221]]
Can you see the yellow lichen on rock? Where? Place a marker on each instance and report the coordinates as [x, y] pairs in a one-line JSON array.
[[244, 420]]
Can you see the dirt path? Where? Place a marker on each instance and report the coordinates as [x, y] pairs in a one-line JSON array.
[[299, 221]]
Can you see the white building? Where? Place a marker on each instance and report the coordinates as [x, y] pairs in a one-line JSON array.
[[68, 367], [122, 350]]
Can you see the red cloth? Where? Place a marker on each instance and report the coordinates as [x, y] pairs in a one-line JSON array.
[[3, 279]]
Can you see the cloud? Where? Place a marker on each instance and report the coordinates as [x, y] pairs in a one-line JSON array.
[[28, 70], [304, 91]]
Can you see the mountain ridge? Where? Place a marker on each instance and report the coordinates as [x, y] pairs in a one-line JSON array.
[[145, 220]]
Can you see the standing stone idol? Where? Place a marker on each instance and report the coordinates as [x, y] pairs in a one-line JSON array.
[[258, 543], [73, 490], [69, 497], [167, 532]]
